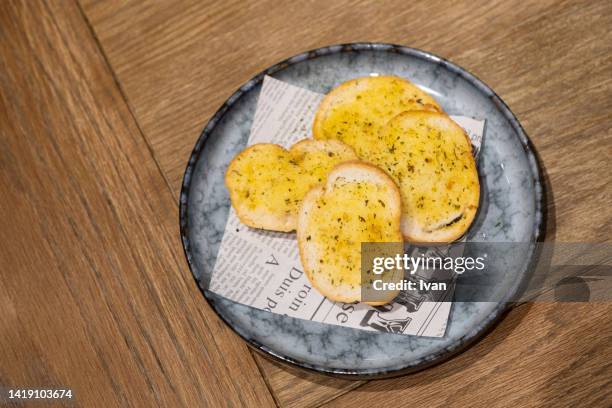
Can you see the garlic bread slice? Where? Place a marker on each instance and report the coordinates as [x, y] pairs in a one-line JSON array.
[[358, 204], [267, 183], [356, 110], [430, 158]]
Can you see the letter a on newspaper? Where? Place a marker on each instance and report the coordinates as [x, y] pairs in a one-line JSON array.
[[262, 269]]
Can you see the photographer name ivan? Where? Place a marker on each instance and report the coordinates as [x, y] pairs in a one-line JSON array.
[[405, 284]]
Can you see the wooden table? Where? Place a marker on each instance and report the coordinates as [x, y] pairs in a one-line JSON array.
[[101, 103]]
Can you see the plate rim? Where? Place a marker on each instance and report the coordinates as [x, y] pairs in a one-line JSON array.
[[459, 344]]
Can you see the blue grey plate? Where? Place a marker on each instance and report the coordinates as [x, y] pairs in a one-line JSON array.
[[510, 211]]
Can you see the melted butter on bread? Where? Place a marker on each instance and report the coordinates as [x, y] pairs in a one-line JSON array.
[[267, 182], [430, 158], [359, 203], [355, 111]]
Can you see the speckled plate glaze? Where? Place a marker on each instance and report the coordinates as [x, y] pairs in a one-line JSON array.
[[511, 211]]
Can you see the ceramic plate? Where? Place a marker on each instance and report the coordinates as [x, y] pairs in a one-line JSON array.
[[510, 210]]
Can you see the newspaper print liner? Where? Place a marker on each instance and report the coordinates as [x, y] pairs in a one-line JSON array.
[[511, 211], [252, 266]]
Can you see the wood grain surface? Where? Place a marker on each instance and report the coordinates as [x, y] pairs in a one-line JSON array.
[[95, 294], [102, 101]]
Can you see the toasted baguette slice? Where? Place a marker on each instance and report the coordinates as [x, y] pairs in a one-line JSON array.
[[267, 182], [430, 158], [359, 203], [355, 111]]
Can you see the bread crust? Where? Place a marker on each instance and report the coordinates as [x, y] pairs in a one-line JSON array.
[[352, 170]]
